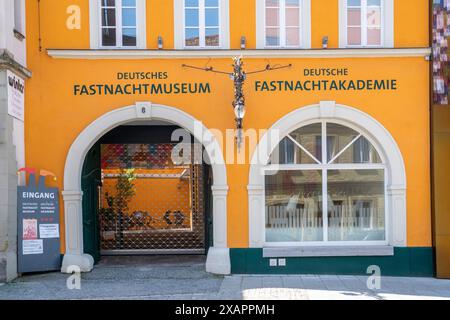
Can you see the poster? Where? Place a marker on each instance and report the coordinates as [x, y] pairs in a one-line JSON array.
[[16, 96], [30, 229], [38, 226], [49, 231], [33, 247]]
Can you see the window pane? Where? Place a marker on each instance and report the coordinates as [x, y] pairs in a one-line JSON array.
[[354, 3], [374, 3], [191, 3], [108, 17], [272, 3], [272, 37], [310, 137], [354, 17], [108, 36], [272, 17], [212, 17], [108, 3], [192, 37], [374, 36], [339, 137], [294, 206], [361, 151], [129, 17], [354, 36], [292, 36], [211, 3], [212, 37], [128, 3], [191, 18], [292, 17], [356, 205], [292, 3], [287, 152], [374, 17], [129, 38]]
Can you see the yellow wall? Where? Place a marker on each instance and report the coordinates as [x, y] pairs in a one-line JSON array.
[[321, 27], [55, 116], [410, 23]]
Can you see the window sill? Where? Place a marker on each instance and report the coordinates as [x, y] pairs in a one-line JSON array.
[[225, 53], [330, 251], [19, 35]]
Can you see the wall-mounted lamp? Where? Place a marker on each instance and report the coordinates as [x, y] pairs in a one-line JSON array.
[[325, 42], [238, 76], [243, 42], [160, 42]]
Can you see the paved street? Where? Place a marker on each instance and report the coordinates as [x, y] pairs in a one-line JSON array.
[[177, 278]]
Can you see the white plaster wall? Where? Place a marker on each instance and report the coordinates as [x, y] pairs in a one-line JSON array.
[[12, 144], [7, 39]]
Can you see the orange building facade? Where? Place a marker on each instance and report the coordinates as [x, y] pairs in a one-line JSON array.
[[333, 174]]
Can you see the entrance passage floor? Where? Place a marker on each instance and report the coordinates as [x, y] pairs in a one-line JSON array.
[[184, 278]]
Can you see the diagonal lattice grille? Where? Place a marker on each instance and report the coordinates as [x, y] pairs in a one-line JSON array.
[[149, 203]]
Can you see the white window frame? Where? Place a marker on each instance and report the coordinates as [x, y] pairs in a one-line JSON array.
[[324, 168], [224, 26], [305, 26], [18, 16], [387, 25], [96, 26]]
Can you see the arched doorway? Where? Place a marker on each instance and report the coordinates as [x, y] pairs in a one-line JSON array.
[[218, 260], [329, 111]]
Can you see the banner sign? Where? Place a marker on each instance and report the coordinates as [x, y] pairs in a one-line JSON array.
[[38, 227], [16, 96]]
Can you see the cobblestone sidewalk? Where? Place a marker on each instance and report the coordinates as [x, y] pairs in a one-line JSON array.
[[184, 278]]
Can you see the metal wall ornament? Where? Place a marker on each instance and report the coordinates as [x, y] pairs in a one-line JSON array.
[[238, 76]]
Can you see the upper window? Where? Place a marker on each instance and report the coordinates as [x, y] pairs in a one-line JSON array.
[[201, 23], [119, 24], [366, 23], [283, 23], [18, 21], [325, 183]]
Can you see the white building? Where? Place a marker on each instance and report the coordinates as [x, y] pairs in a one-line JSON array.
[[13, 72]]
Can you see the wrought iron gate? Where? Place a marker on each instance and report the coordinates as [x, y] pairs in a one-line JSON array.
[[148, 204]]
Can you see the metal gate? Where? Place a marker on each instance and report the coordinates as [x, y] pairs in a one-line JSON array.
[[148, 204]]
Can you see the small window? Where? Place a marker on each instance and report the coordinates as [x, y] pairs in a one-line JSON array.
[[202, 23], [18, 16], [366, 23], [118, 24], [283, 23]]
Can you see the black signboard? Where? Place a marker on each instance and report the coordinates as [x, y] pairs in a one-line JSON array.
[[38, 227]]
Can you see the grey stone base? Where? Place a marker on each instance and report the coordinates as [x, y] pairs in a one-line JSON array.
[[77, 263]]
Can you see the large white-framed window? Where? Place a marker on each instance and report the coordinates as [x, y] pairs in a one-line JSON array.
[[283, 24], [118, 24], [201, 24], [325, 184], [366, 23]]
